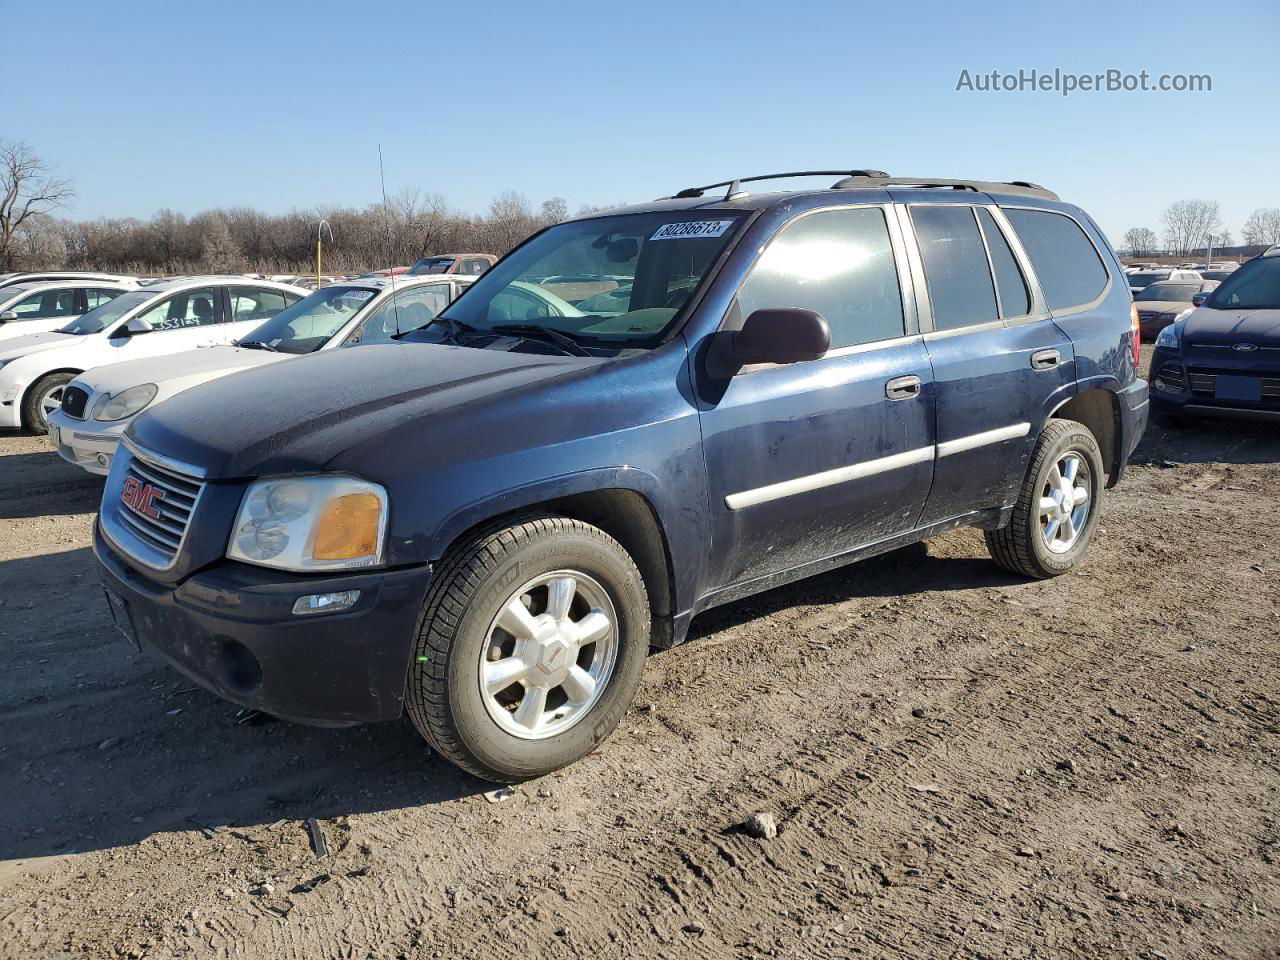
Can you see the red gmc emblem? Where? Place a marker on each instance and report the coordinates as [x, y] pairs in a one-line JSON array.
[[141, 497]]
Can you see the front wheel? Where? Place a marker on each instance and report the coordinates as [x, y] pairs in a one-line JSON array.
[[44, 397], [1057, 508], [531, 646]]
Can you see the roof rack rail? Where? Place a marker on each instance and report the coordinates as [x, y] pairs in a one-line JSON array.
[[734, 185], [873, 179]]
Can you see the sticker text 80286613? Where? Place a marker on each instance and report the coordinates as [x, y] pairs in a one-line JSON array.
[[691, 228]]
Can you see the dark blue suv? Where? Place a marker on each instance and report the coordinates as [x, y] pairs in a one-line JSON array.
[[633, 417]]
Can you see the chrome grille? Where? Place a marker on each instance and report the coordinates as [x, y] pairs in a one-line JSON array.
[[74, 400], [173, 498]]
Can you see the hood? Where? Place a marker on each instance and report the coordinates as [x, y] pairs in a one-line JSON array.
[[300, 415], [1259, 327], [1161, 306], [176, 371], [29, 343]]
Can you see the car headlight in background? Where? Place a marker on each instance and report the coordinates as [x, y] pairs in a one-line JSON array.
[[1170, 336], [125, 403], [321, 522]]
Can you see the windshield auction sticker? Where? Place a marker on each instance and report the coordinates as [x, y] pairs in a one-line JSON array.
[[691, 228]]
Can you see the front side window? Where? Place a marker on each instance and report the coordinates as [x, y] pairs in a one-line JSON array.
[[46, 305], [955, 266], [1011, 285], [308, 324], [837, 263], [191, 308], [1254, 286], [406, 311], [1071, 272], [651, 263], [256, 303]]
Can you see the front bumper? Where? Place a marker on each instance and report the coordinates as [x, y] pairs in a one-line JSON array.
[[78, 442], [1188, 384], [231, 629]]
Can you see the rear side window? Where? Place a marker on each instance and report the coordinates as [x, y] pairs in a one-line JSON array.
[[955, 266], [838, 263], [256, 303], [1010, 284], [1070, 271]]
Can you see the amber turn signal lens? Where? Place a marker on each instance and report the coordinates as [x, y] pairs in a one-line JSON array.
[[348, 528]]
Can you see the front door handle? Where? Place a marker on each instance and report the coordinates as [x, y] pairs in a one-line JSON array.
[[902, 388], [1045, 359]]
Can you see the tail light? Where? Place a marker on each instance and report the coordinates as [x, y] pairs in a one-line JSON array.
[[1137, 334]]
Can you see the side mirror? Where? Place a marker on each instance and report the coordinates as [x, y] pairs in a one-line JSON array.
[[8, 316], [138, 326], [1198, 299], [781, 335]]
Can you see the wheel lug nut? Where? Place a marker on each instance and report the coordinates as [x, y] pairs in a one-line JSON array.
[[495, 653]]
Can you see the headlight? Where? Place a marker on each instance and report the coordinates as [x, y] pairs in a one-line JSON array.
[[125, 403], [325, 522], [1170, 336]]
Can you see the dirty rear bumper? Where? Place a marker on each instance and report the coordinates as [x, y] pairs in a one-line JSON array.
[[232, 630]]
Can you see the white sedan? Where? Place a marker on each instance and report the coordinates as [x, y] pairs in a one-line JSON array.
[[37, 306], [98, 406], [160, 318]]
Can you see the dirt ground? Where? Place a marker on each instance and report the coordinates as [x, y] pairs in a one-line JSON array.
[[962, 764]]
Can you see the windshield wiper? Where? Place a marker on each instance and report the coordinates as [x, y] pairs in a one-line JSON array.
[[455, 329], [254, 345], [531, 331]]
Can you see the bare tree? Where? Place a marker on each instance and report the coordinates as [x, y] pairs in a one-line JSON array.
[[554, 210], [1262, 229], [1141, 241], [1187, 223], [27, 189], [510, 220], [220, 253]]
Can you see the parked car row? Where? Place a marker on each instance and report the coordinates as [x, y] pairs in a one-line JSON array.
[[97, 406]]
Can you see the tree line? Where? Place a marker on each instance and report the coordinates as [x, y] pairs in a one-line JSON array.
[[1190, 226]]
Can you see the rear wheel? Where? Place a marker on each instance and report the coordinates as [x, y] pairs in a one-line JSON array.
[[44, 397], [532, 642], [1057, 508]]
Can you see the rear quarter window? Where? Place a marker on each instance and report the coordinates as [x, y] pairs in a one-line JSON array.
[[1071, 272]]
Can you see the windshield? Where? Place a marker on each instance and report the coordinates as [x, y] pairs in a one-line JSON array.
[[9, 295], [97, 320], [1147, 278], [432, 265], [1254, 286], [609, 281], [1169, 291], [307, 325]]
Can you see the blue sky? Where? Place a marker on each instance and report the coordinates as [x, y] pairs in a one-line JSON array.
[[280, 105]]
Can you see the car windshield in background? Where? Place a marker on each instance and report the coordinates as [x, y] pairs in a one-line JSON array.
[[1254, 286], [97, 320], [432, 265], [1171, 291], [308, 324], [609, 281], [1146, 279]]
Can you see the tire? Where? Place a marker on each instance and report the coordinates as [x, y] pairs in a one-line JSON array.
[[462, 635], [33, 416], [1024, 545]]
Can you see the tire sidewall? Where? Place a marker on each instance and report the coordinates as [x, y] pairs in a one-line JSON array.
[[495, 748], [1081, 442], [31, 415]]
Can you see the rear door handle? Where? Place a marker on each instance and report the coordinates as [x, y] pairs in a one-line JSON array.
[[902, 388], [1045, 359]]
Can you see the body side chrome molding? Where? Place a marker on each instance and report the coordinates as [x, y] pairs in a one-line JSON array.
[[868, 468], [975, 440]]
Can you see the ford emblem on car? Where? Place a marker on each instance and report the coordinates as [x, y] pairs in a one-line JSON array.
[[1244, 347]]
